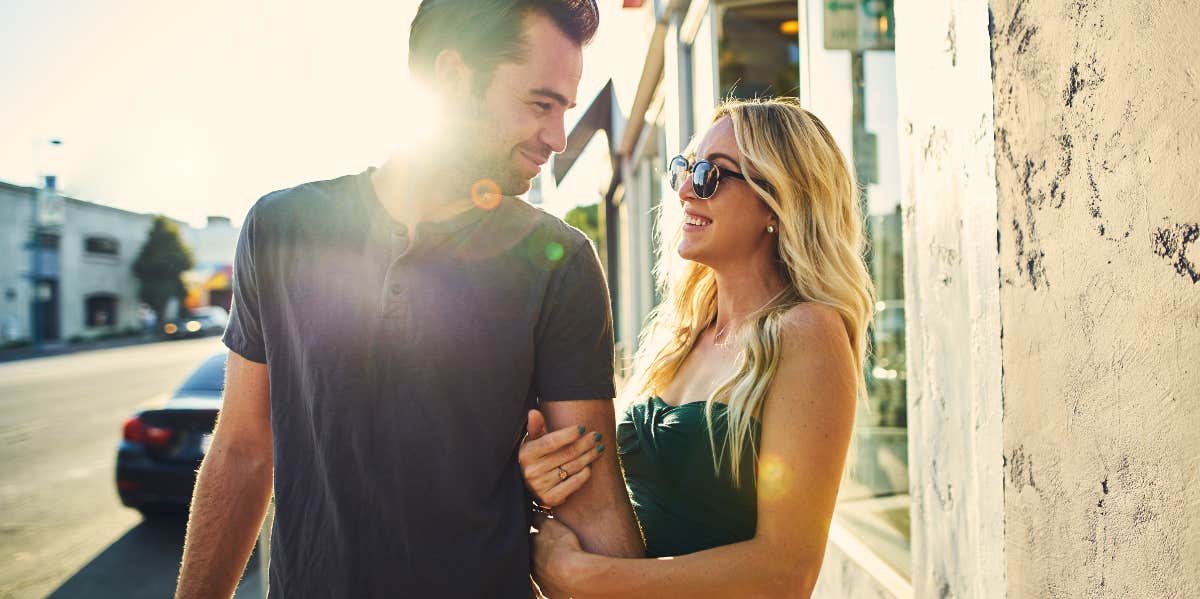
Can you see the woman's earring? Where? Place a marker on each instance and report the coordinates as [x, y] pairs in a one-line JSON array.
[[771, 229]]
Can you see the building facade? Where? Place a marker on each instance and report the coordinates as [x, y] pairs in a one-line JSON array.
[[66, 266], [1026, 187]]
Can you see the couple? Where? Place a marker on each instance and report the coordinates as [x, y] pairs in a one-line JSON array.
[[411, 360]]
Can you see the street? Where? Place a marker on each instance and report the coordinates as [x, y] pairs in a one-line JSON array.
[[63, 531]]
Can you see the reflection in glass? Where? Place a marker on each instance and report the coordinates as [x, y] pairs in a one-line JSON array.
[[759, 50]]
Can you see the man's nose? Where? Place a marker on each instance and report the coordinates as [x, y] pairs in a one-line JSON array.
[[554, 135]]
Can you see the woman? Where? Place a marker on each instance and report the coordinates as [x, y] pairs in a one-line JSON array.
[[747, 378]]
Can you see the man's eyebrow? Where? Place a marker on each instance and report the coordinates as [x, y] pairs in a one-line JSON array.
[[553, 95]]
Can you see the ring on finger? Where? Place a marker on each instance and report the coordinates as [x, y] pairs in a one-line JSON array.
[[562, 474]]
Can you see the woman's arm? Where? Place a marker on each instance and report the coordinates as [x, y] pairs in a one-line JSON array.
[[807, 421]]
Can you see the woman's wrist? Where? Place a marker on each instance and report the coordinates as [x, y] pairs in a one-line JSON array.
[[576, 569]]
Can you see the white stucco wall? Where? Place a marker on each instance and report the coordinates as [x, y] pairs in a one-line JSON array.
[[84, 274], [1097, 142], [954, 368]]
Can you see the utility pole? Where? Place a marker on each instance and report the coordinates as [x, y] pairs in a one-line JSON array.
[[49, 213]]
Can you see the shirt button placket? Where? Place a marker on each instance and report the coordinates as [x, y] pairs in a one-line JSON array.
[[394, 309]]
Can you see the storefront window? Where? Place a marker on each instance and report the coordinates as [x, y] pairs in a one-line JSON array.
[[850, 83], [758, 49]]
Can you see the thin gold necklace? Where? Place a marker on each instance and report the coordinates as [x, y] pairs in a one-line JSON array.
[[720, 334]]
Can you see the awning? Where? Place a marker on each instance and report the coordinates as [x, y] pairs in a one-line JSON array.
[[597, 117], [601, 115]]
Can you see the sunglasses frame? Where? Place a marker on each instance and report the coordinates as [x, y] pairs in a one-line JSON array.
[[690, 167]]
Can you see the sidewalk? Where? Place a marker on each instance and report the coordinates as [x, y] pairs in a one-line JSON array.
[[59, 348]]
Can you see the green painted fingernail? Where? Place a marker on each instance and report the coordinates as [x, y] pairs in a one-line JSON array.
[[582, 430], [600, 448], [597, 436]]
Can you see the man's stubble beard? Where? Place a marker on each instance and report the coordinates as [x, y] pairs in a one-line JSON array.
[[483, 156]]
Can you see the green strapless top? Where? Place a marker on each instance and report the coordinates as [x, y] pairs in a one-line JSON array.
[[685, 503]]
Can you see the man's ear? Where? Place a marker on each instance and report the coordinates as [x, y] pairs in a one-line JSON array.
[[451, 76]]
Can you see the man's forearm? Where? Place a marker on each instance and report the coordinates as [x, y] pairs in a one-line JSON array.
[[601, 516], [599, 513], [606, 533], [227, 510]]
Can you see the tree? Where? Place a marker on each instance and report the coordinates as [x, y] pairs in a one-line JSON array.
[[586, 219], [163, 258]]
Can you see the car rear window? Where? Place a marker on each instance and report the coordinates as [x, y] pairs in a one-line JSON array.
[[209, 378]]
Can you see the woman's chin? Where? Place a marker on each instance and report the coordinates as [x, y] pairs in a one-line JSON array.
[[691, 251]]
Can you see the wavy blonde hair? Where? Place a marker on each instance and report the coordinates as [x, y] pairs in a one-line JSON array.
[[820, 251]]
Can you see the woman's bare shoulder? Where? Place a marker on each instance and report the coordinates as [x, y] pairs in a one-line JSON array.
[[811, 325], [816, 359]]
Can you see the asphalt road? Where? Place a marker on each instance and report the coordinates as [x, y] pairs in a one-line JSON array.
[[63, 531]]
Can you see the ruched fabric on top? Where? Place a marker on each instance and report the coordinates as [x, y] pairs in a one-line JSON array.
[[685, 503]]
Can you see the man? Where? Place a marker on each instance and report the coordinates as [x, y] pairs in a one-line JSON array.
[[391, 330]]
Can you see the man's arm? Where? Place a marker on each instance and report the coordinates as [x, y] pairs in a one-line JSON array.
[[599, 512], [233, 486]]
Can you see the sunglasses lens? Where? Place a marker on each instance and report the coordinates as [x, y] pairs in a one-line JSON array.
[[704, 179], [676, 171]]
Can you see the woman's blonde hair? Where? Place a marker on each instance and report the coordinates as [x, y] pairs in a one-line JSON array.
[[820, 257]]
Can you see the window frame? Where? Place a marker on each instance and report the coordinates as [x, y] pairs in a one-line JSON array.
[[91, 241], [90, 309]]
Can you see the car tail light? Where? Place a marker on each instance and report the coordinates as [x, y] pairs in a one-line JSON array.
[[137, 431], [127, 485]]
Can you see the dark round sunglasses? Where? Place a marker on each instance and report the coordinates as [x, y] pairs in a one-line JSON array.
[[706, 176]]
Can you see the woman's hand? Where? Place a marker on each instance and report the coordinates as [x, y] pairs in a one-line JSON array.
[[554, 548], [556, 465]]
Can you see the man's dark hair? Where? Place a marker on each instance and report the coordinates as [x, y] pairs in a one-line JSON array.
[[489, 32]]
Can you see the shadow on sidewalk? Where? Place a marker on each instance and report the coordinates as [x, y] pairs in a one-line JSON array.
[[144, 563]]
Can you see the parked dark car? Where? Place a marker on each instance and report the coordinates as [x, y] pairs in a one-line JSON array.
[[162, 448], [209, 320]]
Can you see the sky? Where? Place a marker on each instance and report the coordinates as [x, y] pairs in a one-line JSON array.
[[199, 108]]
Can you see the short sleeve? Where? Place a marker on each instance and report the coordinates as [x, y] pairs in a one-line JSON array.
[[575, 334], [244, 333]]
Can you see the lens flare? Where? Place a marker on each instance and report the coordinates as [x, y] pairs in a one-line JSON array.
[[420, 117], [485, 193], [554, 251], [773, 478]]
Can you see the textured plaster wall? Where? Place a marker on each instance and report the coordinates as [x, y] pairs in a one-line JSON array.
[[945, 99], [1097, 116]]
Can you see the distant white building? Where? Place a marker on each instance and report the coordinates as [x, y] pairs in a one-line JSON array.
[[66, 265]]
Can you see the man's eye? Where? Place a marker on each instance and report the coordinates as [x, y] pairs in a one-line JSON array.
[[542, 106]]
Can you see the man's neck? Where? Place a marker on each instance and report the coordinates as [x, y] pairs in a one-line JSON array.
[[414, 190]]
